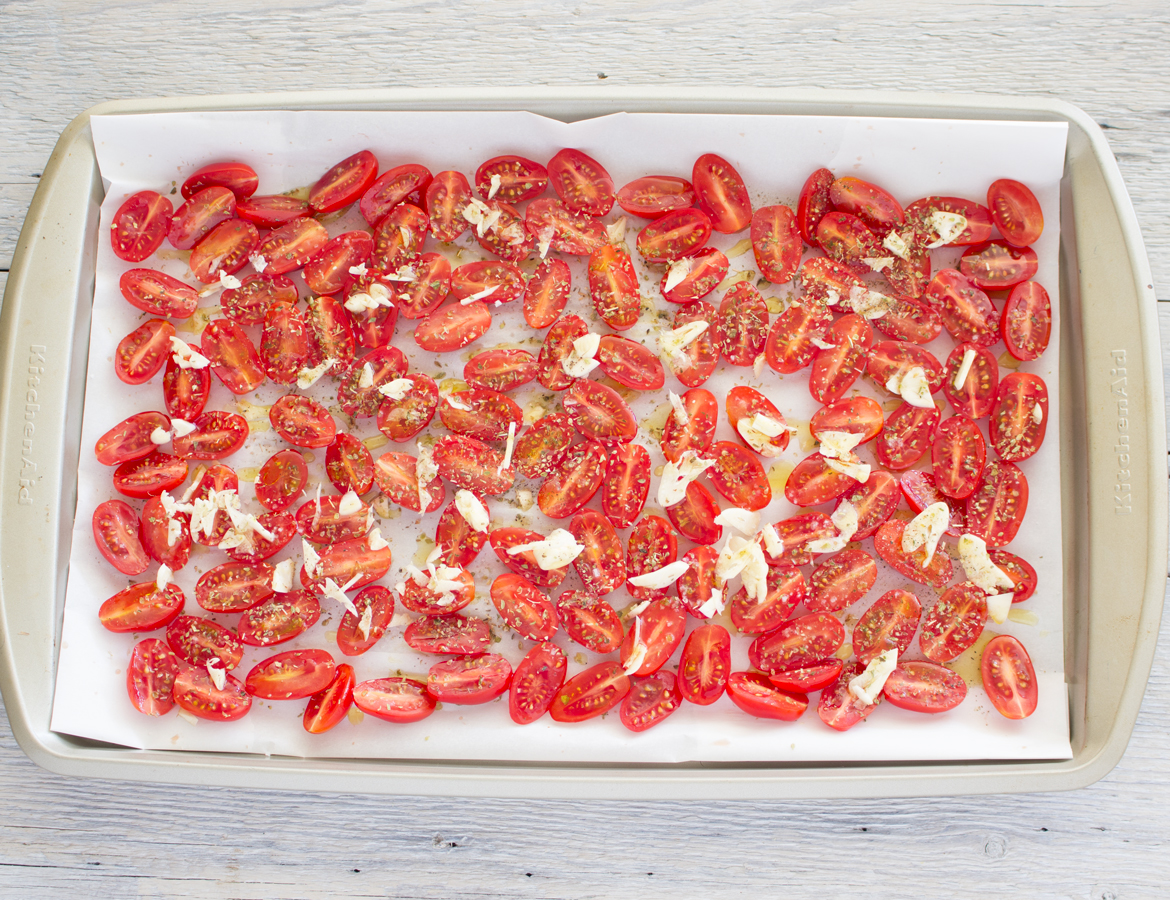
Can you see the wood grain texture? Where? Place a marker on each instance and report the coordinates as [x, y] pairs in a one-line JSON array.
[[106, 840]]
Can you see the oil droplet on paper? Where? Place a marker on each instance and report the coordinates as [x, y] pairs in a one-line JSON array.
[[778, 476], [967, 663]]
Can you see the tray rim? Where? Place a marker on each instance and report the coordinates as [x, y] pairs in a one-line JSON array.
[[544, 780]]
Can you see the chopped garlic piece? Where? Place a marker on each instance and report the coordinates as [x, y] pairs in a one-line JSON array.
[[879, 263], [745, 558], [524, 498], [822, 344], [869, 304], [282, 576], [713, 605], [896, 245], [313, 565], [845, 519], [745, 521], [947, 225], [174, 531], [676, 275], [758, 432], [772, 542], [675, 341], [160, 436], [976, 562], [554, 552], [186, 357], [473, 511], [998, 607], [482, 216], [359, 270], [217, 673], [350, 504], [511, 446], [180, 427], [306, 377], [259, 263], [865, 687], [580, 360], [229, 282], [494, 189], [366, 379], [912, 386], [366, 622], [616, 232], [331, 590], [425, 471], [165, 576], [926, 529], [396, 389], [672, 488], [758, 364], [856, 470], [405, 274], [637, 656], [964, 368], [661, 578], [681, 416], [375, 541], [368, 301], [457, 404], [839, 444], [1037, 414], [479, 295]]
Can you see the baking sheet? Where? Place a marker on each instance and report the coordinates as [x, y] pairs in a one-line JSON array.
[[911, 158]]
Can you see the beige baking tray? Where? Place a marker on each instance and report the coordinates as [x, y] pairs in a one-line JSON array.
[[1112, 439]]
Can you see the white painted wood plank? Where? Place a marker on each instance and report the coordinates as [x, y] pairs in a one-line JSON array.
[[14, 202]]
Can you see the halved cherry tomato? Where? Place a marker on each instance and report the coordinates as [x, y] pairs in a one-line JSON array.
[[957, 457], [698, 433], [358, 392], [794, 533], [698, 583], [996, 510], [978, 228], [197, 694], [1009, 678], [271, 211], [291, 675], [834, 370], [540, 450], [150, 677], [813, 203], [217, 434], [613, 287], [471, 464], [848, 241], [524, 563], [652, 545], [601, 566], [430, 602], [302, 421], [891, 359], [876, 500], [158, 293], [975, 397], [919, 489], [487, 279], [469, 680], [234, 586], [674, 235], [157, 540], [348, 464], [351, 640], [249, 303], [551, 221], [841, 580], [954, 623], [998, 265], [140, 225], [789, 347], [705, 271], [651, 699], [291, 245], [741, 325], [876, 207], [800, 642], [446, 197], [808, 678], [458, 543], [186, 391], [888, 543], [143, 351], [233, 356], [696, 362], [330, 705], [598, 412], [535, 682], [757, 696], [223, 250], [828, 282], [743, 404], [925, 687], [721, 194], [500, 370], [453, 327], [141, 607], [547, 293], [590, 693], [507, 238], [518, 178], [651, 196], [888, 624], [838, 708], [201, 213], [200, 641], [787, 589], [216, 478], [966, 311], [581, 182], [1018, 570], [344, 183], [150, 476], [391, 188], [910, 320], [396, 475], [283, 529], [630, 363], [695, 515], [240, 178], [280, 618], [1026, 323], [907, 435], [281, 480], [1020, 417], [449, 634], [523, 607], [399, 237], [776, 243], [590, 621], [130, 438], [398, 700], [328, 271], [480, 413], [400, 420], [813, 482], [557, 345], [1016, 212], [626, 484], [659, 629], [739, 476]]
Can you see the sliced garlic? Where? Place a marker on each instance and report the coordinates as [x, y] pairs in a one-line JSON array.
[[676, 476], [912, 386], [473, 511], [947, 225], [976, 562], [554, 552], [661, 578], [580, 361], [745, 521], [865, 687], [926, 530], [397, 389]]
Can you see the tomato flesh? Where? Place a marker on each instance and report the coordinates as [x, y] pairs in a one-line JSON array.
[[1009, 678]]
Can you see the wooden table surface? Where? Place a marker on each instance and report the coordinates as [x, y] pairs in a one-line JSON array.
[[95, 839]]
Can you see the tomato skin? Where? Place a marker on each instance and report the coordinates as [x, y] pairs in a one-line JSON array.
[[281, 480], [520, 178], [471, 464], [1015, 433], [954, 623], [957, 457], [291, 245], [837, 707], [142, 352], [400, 420], [591, 693], [158, 293], [225, 249], [566, 231], [458, 543], [330, 705], [1015, 211], [201, 213], [1020, 571], [876, 502], [786, 590], [707, 271], [445, 198], [695, 516], [846, 240], [292, 675], [966, 312], [721, 194], [813, 203], [696, 363], [581, 182], [613, 287], [812, 482], [344, 183], [776, 243], [1009, 678], [855, 415], [500, 370], [626, 484], [350, 640], [140, 225], [535, 682], [328, 271], [141, 607], [630, 363], [217, 434], [997, 265], [925, 687], [601, 566], [391, 188], [808, 678], [547, 293], [876, 207], [196, 693], [910, 321], [234, 586], [459, 634], [153, 532], [652, 196], [888, 624], [908, 434], [741, 325], [996, 510], [150, 476], [739, 476], [280, 618], [757, 696], [599, 413], [674, 235], [396, 475], [503, 539], [398, 700], [888, 543], [652, 545], [799, 642], [524, 608], [199, 641], [1026, 322], [976, 398], [835, 370], [469, 680], [453, 327], [414, 299], [978, 219], [130, 438], [841, 580], [271, 211], [239, 178], [150, 677], [789, 346]]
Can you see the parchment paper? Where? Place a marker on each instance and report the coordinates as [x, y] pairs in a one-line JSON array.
[[910, 158]]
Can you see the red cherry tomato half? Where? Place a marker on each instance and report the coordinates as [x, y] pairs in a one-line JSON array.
[[234, 586], [907, 435], [344, 183], [919, 214], [480, 413], [838, 708], [449, 634], [349, 465], [140, 225], [966, 312], [876, 207], [846, 240], [519, 179], [397, 477], [976, 393], [695, 515], [249, 303], [909, 320], [651, 699], [429, 602], [601, 565], [1016, 212], [926, 687], [358, 392], [581, 182], [391, 188], [705, 271], [328, 271], [446, 197], [954, 623], [130, 438], [523, 607], [141, 607], [200, 641], [398, 700], [589, 694], [292, 675], [400, 420], [813, 203], [626, 484], [996, 510], [150, 677], [158, 293], [888, 624], [957, 457], [590, 621], [197, 694], [920, 491], [651, 546], [501, 281], [786, 590], [458, 543], [557, 345], [1019, 570], [699, 431], [540, 450], [217, 434], [302, 422], [291, 245], [721, 194], [351, 640], [239, 178], [674, 235], [800, 642], [739, 476], [888, 543], [156, 537], [233, 356], [199, 215], [330, 705], [776, 243], [453, 327], [789, 347], [794, 533], [812, 482], [696, 362], [1026, 323], [143, 351], [757, 696], [741, 325], [652, 196], [272, 211], [471, 464], [1009, 678], [469, 680], [500, 370], [598, 412], [998, 265], [281, 480], [547, 293], [150, 476], [834, 370], [613, 287], [280, 618], [876, 501], [1019, 419], [841, 580], [576, 234], [284, 343], [223, 250], [808, 678]]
